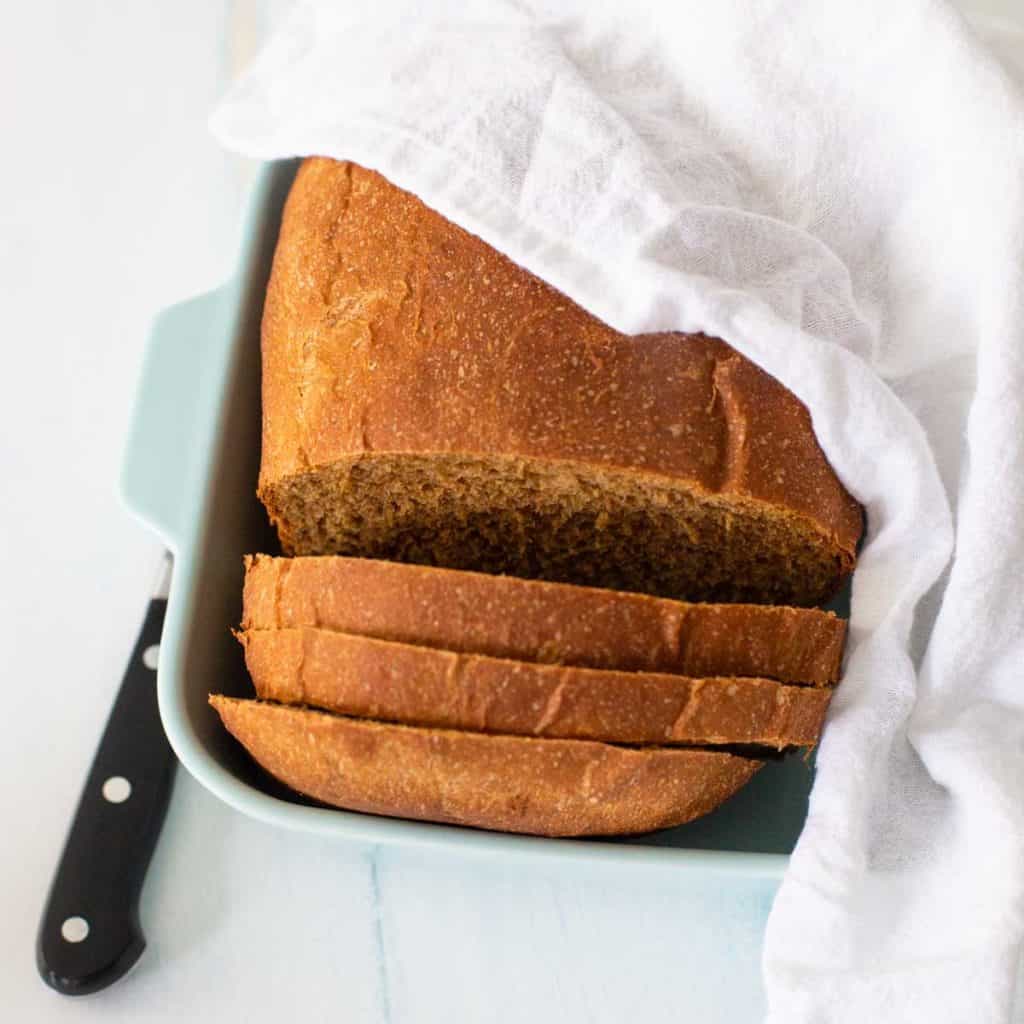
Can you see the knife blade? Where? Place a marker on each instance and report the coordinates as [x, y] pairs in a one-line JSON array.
[[90, 934]]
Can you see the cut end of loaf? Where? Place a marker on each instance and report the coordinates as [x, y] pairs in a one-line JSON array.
[[505, 783], [558, 521], [395, 682], [541, 621]]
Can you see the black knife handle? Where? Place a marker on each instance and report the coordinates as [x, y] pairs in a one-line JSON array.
[[99, 879]]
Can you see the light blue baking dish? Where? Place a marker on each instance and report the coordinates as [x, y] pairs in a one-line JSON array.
[[190, 472]]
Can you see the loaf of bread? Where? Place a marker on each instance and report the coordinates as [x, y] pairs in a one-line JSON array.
[[509, 783], [394, 682], [533, 620], [532, 500], [427, 400]]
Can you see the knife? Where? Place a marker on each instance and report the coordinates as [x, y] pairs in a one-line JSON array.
[[90, 935]]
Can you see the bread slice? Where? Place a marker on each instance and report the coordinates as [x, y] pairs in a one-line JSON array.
[[508, 783], [533, 620], [367, 678], [427, 400]]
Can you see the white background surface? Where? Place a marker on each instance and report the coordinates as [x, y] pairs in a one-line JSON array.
[[117, 203]]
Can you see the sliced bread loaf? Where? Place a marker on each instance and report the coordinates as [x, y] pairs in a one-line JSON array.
[[508, 783], [533, 620], [394, 682], [427, 400]]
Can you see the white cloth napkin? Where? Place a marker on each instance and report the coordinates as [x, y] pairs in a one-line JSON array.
[[837, 189]]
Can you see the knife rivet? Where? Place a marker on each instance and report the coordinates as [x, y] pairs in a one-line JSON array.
[[151, 656], [117, 789], [74, 929]]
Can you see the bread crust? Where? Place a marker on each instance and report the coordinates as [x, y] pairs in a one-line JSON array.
[[394, 682], [534, 620], [507, 783]]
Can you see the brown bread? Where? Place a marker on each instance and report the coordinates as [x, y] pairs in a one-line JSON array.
[[395, 682], [533, 620], [508, 783], [427, 400]]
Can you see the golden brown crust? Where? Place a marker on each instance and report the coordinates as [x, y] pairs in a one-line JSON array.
[[388, 329], [506, 783], [532, 620], [395, 682]]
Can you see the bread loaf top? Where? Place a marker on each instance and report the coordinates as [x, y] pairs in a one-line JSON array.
[[388, 329]]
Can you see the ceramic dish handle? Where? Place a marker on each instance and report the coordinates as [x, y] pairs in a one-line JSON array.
[[170, 403]]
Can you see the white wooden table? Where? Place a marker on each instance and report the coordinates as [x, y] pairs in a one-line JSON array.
[[117, 203]]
